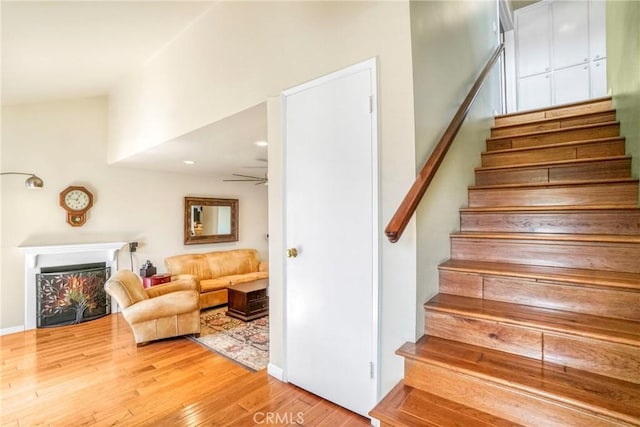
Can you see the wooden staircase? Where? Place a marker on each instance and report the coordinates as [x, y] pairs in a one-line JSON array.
[[537, 321]]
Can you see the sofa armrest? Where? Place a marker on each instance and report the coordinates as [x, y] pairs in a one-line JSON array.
[[263, 266], [161, 306], [185, 283]]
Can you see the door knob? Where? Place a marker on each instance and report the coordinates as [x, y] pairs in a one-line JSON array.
[[292, 252]]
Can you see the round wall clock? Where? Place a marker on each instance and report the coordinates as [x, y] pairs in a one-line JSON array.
[[76, 201]]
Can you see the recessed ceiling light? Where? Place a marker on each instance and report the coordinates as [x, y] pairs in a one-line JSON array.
[[189, 162], [261, 143]]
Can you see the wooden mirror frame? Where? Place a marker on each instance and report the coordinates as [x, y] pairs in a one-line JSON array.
[[190, 239]]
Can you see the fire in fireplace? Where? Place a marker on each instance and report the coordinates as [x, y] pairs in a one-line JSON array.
[[72, 294]]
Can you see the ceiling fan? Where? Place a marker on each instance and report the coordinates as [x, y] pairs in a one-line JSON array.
[[249, 178]]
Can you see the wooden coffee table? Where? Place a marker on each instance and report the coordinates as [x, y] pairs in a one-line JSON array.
[[248, 301]]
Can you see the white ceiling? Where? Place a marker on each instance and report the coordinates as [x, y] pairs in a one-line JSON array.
[[221, 148], [68, 49]]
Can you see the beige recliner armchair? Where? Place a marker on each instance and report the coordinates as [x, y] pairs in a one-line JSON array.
[[162, 311]]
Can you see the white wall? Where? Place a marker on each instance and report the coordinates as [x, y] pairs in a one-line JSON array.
[[65, 143], [241, 53], [452, 41]]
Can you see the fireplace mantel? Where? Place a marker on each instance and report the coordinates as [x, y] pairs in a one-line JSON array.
[[37, 257], [33, 252]]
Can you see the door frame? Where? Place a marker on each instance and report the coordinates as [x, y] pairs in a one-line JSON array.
[[371, 66]]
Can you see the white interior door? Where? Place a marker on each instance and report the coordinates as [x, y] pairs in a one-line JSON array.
[[331, 208]]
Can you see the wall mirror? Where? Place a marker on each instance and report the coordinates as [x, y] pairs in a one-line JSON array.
[[209, 220]]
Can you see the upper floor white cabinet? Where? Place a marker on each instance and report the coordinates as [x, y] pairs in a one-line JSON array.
[[571, 84], [570, 36], [597, 30], [599, 78], [536, 58], [561, 40], [535, 90]]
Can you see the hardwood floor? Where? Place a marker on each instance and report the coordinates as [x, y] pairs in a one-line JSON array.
[[93, 374]]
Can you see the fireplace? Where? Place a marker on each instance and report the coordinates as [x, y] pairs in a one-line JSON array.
[[71, 294], [47, 262]]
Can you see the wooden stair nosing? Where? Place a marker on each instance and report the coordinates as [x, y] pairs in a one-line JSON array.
[[556, 184], [552, 163], [555, 119], [388, 409], [601, 278], [429, 410], [553, 208], [553, 131], [556, 107], [618, 331], [553, 237], [571, 386], [556, 145]]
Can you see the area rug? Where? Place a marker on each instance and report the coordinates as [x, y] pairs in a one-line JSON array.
[[246, 343]]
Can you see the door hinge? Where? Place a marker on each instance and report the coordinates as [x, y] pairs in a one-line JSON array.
[[371, 370], [370, 104]]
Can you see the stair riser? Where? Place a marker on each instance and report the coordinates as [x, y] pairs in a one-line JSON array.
[[566, 254], [577, 298], [485, 333], [586, 108], [554, 124], [618, 194], [589, 222], [554, 137], [501, 400], [613, 360], [588, 150], [605, 169]]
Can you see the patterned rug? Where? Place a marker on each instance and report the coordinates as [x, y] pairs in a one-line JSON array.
[[246, 343]]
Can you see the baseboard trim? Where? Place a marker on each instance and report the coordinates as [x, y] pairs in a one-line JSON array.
[[12, 330], [276, 372]]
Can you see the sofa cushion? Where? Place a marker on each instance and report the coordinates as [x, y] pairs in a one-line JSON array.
[[194, 264], [228, 263], [249, 277], [226, 281]]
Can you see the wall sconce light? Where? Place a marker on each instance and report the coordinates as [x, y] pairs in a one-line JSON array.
[[32, 182]]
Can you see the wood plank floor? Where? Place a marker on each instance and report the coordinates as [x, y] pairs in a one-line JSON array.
[[93, 374]]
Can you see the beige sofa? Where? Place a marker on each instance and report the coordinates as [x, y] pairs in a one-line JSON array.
[[162, 311], [215, 271]]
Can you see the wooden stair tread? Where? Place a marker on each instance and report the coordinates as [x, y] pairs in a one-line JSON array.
[[555, 107], [557, 144], [555, 184], [552, 131], [576, 324], [554, 119], [408, 406], [599, 238], [592, 392], [550, 163], [604, 278]]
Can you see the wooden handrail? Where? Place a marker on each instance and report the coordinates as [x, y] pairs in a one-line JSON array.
[[410, 202]]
